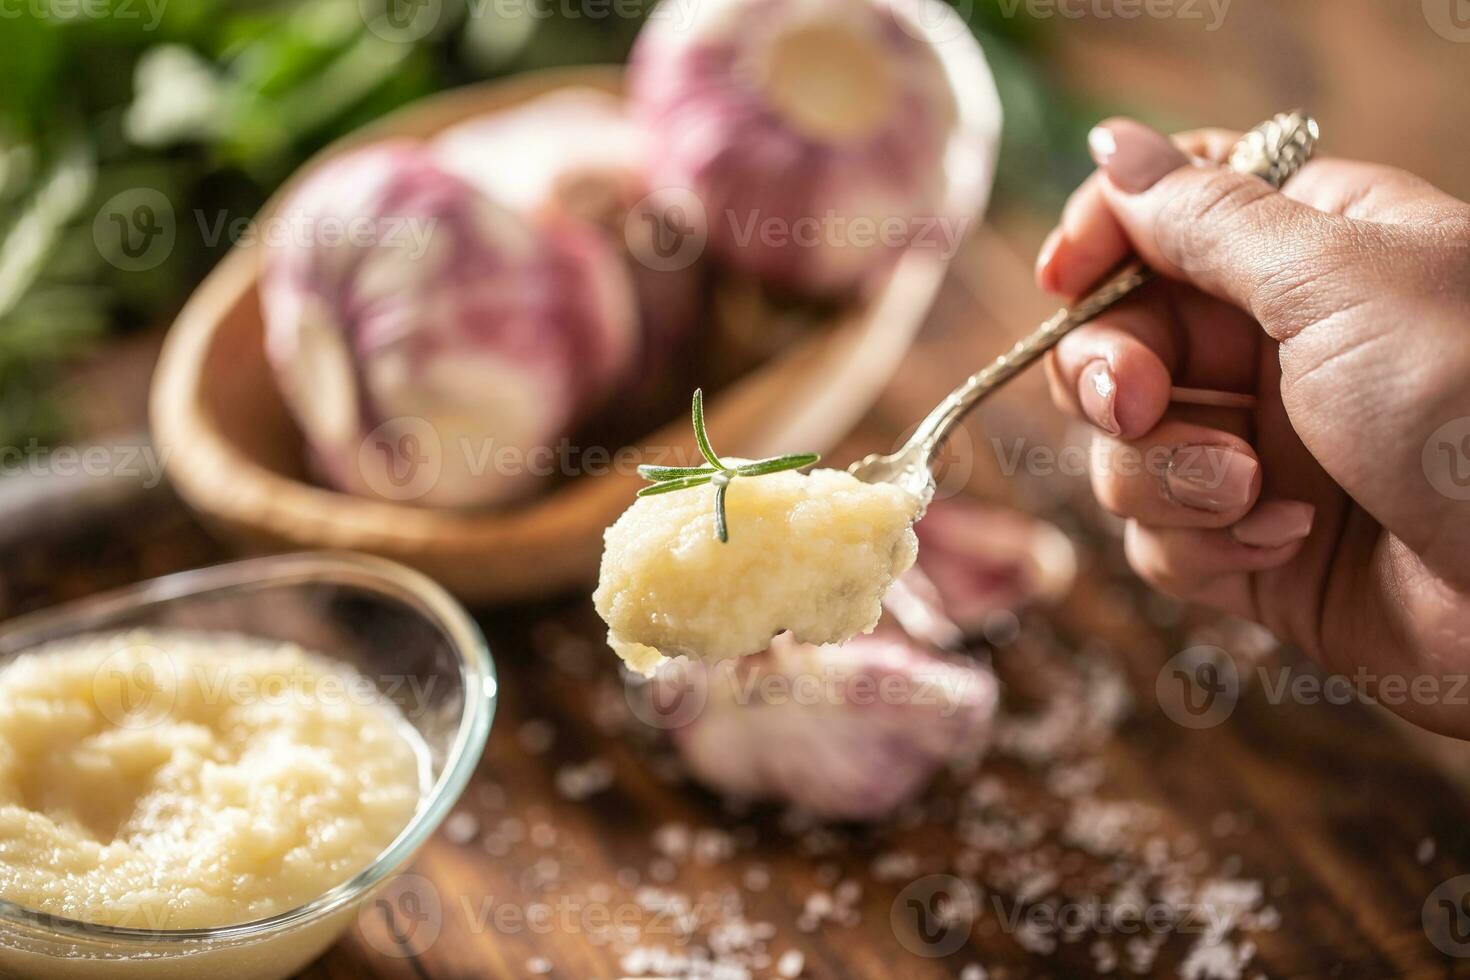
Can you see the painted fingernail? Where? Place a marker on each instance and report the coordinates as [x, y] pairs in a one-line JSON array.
[[1097, 391], [1133, 156], [1045, 274], [1213, 478], [1274, 523]]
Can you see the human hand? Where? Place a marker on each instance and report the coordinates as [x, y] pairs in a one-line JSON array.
[[1342, 305]]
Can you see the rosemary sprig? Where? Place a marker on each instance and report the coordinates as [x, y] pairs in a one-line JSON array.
[[667, 479]]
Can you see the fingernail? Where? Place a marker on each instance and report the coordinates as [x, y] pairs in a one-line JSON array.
[[1097, 391], [1212, 478], [1045, 274], [1133, 156], [1274, 523]]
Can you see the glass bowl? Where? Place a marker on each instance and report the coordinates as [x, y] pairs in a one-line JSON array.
[[391, 625]]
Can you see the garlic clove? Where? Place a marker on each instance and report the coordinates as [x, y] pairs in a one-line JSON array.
[[849, 732], [978, 559]]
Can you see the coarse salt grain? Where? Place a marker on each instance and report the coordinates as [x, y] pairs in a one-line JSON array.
[[536, 736], [461, 828], [578, 782]]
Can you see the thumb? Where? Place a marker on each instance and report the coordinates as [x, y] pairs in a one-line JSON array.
[[1230, 234]]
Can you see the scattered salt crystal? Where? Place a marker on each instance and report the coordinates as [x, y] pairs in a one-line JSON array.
[[1035, 938], [757, 878], [1216, 961], [818, 905], [713, 846], [578, 782], [791, 964], [1425, 852], [461, 828], [1142, 952], [538, 966], [536, 736], [974, 971], [672, 840]]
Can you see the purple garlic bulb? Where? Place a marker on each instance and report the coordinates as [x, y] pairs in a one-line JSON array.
[[845, 732], [812, 132], [981, 560], [429, 341], [575, 154]]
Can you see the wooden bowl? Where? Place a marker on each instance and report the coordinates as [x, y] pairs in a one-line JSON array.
[[234, 453]]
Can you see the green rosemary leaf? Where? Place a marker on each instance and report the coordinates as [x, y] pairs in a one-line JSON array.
[[776, 464], [667, 479], [659, 474], [722, 527], [701, 436], [669, 486]]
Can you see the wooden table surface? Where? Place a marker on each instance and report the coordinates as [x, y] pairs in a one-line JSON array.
[[579, 838]]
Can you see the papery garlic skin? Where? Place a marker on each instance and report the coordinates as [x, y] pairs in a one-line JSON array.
[[810, 553], [567, 151], [981, 559], [844, 732], [575, 154], [412, 320], [825, 122]]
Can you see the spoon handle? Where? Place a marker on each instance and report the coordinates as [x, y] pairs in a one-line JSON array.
[[1273, 151]]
